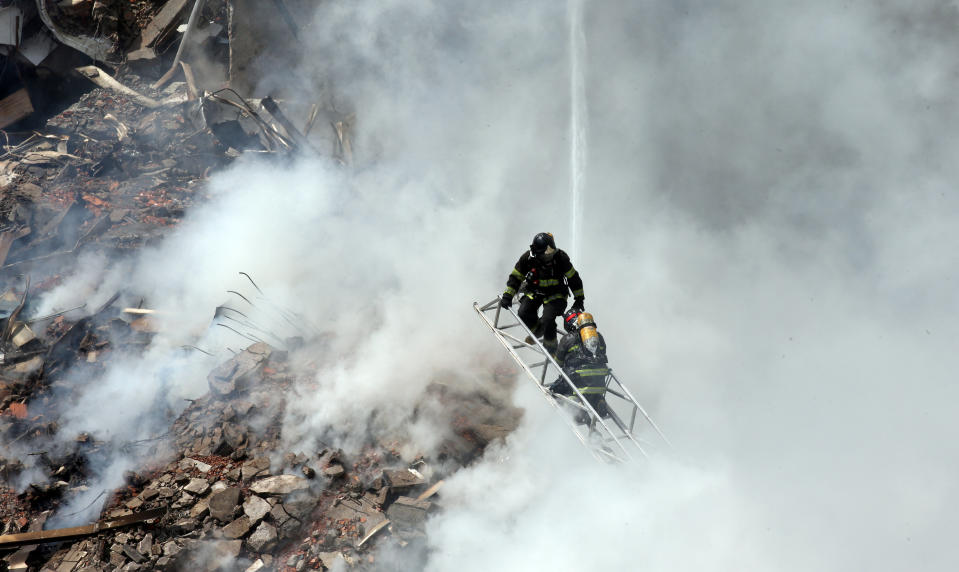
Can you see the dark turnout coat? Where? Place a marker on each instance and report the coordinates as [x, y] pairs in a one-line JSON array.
[[586, 370], [549, 280]]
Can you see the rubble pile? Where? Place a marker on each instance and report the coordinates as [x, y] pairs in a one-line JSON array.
[[43, 41], [123, 156], [105, 175], [228, 497], [120, 22]]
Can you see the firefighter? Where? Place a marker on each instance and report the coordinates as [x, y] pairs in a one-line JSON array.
[[582, 355], [549, 277]]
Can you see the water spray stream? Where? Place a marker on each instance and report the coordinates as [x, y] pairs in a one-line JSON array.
[[578, 126]]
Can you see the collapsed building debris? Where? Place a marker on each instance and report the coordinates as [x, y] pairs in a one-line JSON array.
[[112, 167], [225, 492], [222, 494], [42, 41]]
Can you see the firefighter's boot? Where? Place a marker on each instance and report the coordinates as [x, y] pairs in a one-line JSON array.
[[551, 346]]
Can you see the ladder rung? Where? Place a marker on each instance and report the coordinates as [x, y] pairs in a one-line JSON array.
[[601, 432]]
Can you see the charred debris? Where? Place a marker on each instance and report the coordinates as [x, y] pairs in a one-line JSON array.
[[113, 115]]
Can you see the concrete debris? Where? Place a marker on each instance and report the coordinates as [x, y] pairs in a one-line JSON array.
[[255, 508], [223, 504], [145, 546], [334, 560], [259, 466], [197, 486], [240, 371], [405, 479], [263, 538], [408, 515], [334, 471], [99, 160], [171, 548], [237, 529], [279, 485], [188, 463]]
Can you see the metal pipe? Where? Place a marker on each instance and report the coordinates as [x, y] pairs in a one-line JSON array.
[[194, 16]]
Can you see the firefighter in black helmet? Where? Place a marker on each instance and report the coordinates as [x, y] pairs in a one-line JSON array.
[[582, 355], [549, 277]]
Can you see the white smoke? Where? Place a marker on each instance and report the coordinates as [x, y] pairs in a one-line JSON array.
[[768, 252]]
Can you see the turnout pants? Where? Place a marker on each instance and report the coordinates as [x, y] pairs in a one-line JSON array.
[[546, 325]]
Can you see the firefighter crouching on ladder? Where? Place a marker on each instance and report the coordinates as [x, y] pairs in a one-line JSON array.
[[549, 277], [582, 355]]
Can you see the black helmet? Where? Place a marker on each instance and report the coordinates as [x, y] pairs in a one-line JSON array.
[[569, 320], [542, 242]]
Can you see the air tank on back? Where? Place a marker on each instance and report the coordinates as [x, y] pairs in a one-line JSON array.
[[587, 332]]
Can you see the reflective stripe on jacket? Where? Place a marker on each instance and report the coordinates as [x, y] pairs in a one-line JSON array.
[[552, 280]]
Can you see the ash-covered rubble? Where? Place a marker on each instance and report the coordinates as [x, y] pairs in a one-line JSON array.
[[231, 499], [42, 42], [126, 153]]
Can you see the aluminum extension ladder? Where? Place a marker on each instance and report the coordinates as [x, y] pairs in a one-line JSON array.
[[610, 439]]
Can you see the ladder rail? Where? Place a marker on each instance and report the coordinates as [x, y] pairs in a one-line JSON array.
[[641, 410], [544, 365], [598, 453], [579, 401]]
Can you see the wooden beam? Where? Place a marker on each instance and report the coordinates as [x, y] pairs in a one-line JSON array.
[[75, 532]]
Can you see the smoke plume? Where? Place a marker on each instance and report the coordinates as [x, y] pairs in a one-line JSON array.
[[767, 245]]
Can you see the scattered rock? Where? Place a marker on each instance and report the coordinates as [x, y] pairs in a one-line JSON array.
[[263, 538], [146, 545], [279, 485], [197, 486], [279, 515], [189, 463], [183, 526], [201, 507], [334, 471], [171, 548], [185, 500], [237, 528], [403, 479], [256, 508], [257, 467], [223, 504], [133, 554], [240, 371], [408, 513], [330, 559]]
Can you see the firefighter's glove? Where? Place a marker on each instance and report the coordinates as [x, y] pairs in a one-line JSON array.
[[559, 387], [577, 305], [507, 301]]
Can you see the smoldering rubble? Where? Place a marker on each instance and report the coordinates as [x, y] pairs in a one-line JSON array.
[[152, 99]]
